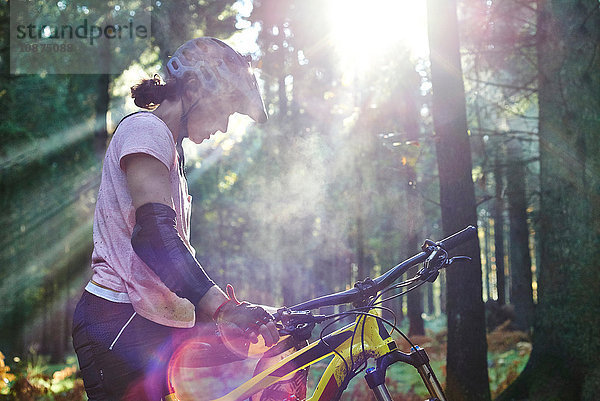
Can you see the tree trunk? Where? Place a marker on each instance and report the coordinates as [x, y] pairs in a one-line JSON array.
[[414, 207], [467, 377], [485, 222], [443, 292], [499, 234], [414, 299], [564, 361], [520, 259], [362, 269], [430, 302]]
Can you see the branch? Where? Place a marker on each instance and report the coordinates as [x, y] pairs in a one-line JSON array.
[[512, 163], [514, 113], [514, 131], [428, 200], [532, 62], [484, 199], [502, 85]]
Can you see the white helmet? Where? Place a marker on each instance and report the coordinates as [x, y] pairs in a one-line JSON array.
[[221, 71]]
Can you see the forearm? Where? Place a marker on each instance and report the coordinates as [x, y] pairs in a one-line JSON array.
[[213, 298], [156, 241]]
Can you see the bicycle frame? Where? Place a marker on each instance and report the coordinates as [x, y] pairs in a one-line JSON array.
[[365, 338]]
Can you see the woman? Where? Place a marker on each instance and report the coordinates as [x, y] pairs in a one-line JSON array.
[[147, 290]]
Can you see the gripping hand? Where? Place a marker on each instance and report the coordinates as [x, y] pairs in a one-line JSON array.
[[251, 320]]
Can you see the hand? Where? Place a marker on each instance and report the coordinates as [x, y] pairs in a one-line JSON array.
[[252, 320]]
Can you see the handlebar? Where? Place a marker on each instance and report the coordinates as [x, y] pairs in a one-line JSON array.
[[458, 238], [374, 286]]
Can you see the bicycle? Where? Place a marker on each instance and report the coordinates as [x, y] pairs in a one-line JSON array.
[[354, 345]]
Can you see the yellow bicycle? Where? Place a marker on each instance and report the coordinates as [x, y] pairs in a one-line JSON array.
[[353, 346]]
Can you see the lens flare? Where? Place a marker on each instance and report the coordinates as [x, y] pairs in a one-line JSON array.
[[238, 343], [202, 368]]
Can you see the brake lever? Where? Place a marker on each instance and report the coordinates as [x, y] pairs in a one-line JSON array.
[[297, 323], [429, 272], [458, 258], [286, 315], [431, 267]]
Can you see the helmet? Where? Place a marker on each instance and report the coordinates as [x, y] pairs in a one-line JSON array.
[[221, 71]]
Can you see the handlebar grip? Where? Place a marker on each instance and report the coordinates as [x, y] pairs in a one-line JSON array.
[[458, 238]]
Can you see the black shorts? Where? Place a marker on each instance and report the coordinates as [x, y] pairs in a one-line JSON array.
[[123, 356]]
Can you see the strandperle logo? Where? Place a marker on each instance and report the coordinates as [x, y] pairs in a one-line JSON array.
[[48, 37], [83, 31]]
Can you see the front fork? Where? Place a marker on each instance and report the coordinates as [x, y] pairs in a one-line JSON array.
[[418, 358]]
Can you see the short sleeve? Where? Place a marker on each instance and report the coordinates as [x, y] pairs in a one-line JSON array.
[[145, 133]]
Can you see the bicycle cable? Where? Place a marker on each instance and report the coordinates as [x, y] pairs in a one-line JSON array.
[[403, 284], [374, 304], [353, 369]]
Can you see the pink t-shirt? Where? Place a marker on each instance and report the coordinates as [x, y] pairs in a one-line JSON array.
[[114, 261]]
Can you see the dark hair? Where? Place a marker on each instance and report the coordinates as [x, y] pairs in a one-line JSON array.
[[151, 92]]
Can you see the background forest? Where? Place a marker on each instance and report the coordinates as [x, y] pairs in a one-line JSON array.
[[389, 122]]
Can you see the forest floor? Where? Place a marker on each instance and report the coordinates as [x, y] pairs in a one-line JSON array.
[[508, 352]]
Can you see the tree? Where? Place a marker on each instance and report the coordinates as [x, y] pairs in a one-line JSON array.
[[467, 377], [407, 100], [499, 232], [521, 293], [564, 361], [498, 49]]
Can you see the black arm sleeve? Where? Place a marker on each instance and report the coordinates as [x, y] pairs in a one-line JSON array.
[[156, 241]]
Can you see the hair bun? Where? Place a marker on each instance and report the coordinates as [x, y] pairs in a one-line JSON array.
[[149, 93]]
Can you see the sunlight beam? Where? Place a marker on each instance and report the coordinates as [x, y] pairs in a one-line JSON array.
[[41, 148], [363, 30]]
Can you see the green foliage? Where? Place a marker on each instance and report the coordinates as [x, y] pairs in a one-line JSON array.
[[505, 367], [49, 172], [34, 379]]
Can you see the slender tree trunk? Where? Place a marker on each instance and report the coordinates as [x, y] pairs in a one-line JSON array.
[[223, 257], [520, 259], [486, 252], [564, 361], [467, 377], [430, 303], [414, 298], [499, 234], [443, 292], [57, 315], [360, 246], [410, 112], [360, 165]]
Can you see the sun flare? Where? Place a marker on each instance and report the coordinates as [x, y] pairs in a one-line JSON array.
[[362, 30]]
